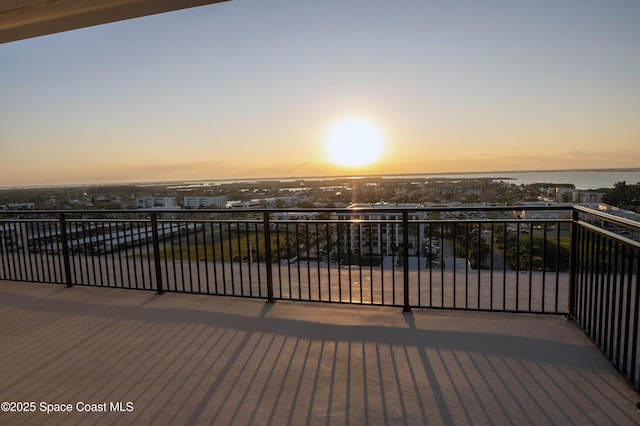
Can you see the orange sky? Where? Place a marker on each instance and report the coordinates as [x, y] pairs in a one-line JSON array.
[[248, 89]]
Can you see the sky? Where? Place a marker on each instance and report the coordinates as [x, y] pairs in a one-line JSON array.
[[253, 88]]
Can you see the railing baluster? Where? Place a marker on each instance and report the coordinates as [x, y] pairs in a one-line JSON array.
[[156, 253], [443, 265], [24, 252], [196, 245], [3, 252], [634, 329], [466, 265], [187, 232], [126, 252], [491, 251], [339, 260], [143, 241], [327, 250], [249, 257], [360, 261], [623, 268], [112, 249], [604, 331], [405, 247], [518, 265], [267, 256], [530, 265], [17, 270], [278, 258], [544, 267], [430, 252], [601, 295], [119, 258], [213, 255], [612, 306], [571, 289], [370, 236], [627, 317], [593, 271], [101, 250], [256, 258], [394, 248], [240, 273], [297, 228], [28, 254], [584, 279], [479, 263], [83, 256], [455, 284], [308, 244], [205, 254], [350, 238], [51, 264], [231, 257], [65, 249], [504, 268]]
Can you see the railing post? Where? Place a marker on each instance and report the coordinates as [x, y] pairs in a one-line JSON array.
[[267, 256], [405, 248], [156, 252], [65, 249], [573, 262]]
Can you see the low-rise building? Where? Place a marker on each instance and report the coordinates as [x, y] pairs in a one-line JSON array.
[[18, 206], [195, 202], [381, 232], [150, 202]]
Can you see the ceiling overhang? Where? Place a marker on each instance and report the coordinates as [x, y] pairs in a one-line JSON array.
[[22, 19]]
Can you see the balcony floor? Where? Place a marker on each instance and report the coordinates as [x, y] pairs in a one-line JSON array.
[[186, 359]]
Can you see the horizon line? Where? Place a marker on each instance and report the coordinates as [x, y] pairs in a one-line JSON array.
[[359, 176]]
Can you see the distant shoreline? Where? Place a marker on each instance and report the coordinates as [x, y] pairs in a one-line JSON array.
[[496, 174], [383, 175]]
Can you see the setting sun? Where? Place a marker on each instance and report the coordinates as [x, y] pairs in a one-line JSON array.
[[354, 143]]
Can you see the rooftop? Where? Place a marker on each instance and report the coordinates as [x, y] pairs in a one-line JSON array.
[[21, 19], [185, 359]]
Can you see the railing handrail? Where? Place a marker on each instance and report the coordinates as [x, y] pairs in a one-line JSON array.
[[610, 217], [391, 209], [612, 235]]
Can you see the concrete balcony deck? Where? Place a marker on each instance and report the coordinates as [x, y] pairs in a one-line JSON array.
[[194, 359]]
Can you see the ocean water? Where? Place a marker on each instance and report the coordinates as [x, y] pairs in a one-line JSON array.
[[582, 179]]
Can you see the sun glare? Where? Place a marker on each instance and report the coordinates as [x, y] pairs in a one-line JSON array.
[[354, 143]]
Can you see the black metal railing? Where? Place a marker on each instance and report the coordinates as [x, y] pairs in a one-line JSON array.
[[605, 291], [485, 259], [556, 259]]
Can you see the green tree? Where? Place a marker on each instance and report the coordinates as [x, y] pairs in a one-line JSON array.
[[624, 196], [525, 253], [472, 246]]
